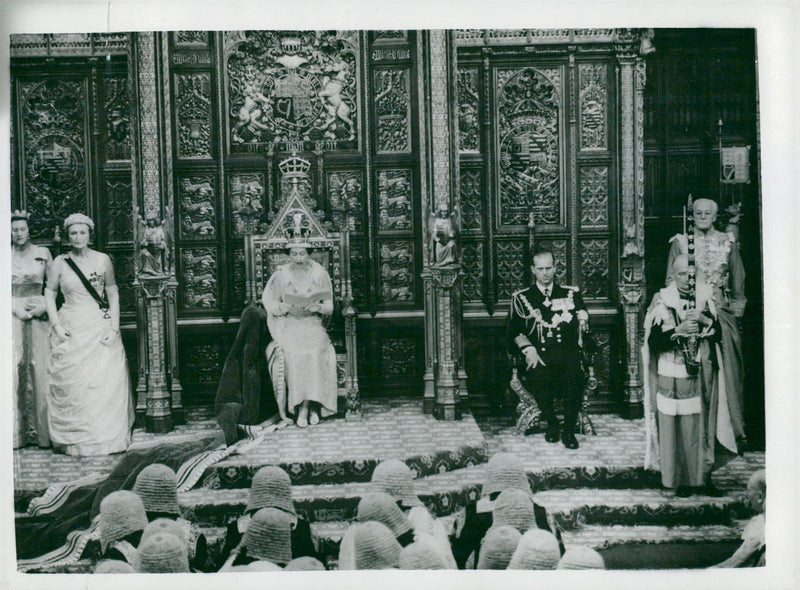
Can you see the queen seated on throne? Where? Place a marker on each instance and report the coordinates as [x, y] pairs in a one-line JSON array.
[[302, 361], [283, 366]]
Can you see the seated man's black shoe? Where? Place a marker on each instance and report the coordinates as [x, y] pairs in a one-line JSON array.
[[683, 492], [569, 440], [551, 435]]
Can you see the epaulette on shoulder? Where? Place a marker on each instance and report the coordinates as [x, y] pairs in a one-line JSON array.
[[571, 288], [520, 292], [678, 237]]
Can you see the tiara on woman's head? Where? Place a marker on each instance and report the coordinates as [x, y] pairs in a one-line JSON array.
[[76, 218], [17, 215]]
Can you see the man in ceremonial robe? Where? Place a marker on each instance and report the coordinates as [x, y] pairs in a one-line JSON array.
[[719, 266], [686, 411], [547, 324]]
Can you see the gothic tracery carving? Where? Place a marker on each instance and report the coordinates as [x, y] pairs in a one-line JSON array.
[[593, 105], [594, 267], [468, 109], [193, 108], [117, 116], [396, 271], [594, 196], [471, 187], [247, 201], [345, 195], [394, 200], [392, 92], [199, 278], [528, 108], [197, 198]]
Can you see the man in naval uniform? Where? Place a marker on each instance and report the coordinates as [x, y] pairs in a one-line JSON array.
[[547, 324]]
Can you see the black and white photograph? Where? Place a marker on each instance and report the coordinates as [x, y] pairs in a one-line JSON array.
[[348, 297]]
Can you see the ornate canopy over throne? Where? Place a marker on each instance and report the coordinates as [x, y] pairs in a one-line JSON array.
[[265, 252]]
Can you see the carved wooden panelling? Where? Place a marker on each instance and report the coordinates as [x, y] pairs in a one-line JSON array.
[[396, 271], [593, 106], [529, 170], [197, 206], [190, 38], [510, 260], [201, 362], [394, 200], [392, 99], [199, 278], [124, 269], [119, 210], [357, 272], [116, 110], [238, 291], [292, 89], [594, 267], [472, 253], [471, 187], [246, 194], [602, 359], [468, 108], [685, 177], [594, 196], [193, 114], [559, 249], [346, 199], [53, 123], [398, 356]]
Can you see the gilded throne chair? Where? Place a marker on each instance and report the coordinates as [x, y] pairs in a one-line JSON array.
[[265, 252]]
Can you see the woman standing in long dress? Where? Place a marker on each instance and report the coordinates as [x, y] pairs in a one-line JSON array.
[[308, 359], [90, 408], [29, 265]]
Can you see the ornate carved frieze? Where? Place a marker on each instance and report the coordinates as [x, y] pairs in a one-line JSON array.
[[119, 208], [593, 106], [190, 38], [594, 196], [396, 271], [193, 114], [197, 200], [536, 37], [53, 121], [440, 120], [392, 99], [69, 44], [346, 199], [292, 89], [199, 278], [398, 356], [510, 257], [594, 260], [393, 35], [471, 187], [529, 126], [394, 200], [116, 109], [468, 109], [472, 285], [246, 194]]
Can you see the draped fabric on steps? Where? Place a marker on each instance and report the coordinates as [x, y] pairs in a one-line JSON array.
[[39, 534]]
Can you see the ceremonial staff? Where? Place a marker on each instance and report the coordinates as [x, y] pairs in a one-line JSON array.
[[690, 345]]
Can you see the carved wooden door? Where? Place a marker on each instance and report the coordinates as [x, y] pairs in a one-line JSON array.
[[537, 135]]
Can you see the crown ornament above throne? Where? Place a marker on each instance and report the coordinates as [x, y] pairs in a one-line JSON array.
[[297, 229]]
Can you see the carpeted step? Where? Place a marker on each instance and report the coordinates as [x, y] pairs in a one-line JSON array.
[[572, 509], [339, 451], [602, 537]]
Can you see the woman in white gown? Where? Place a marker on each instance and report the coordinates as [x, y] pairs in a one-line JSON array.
[[297, 297], [90, 408]]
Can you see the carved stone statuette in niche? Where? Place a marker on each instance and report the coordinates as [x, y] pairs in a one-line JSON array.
[[155, 242], [444, 226]]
